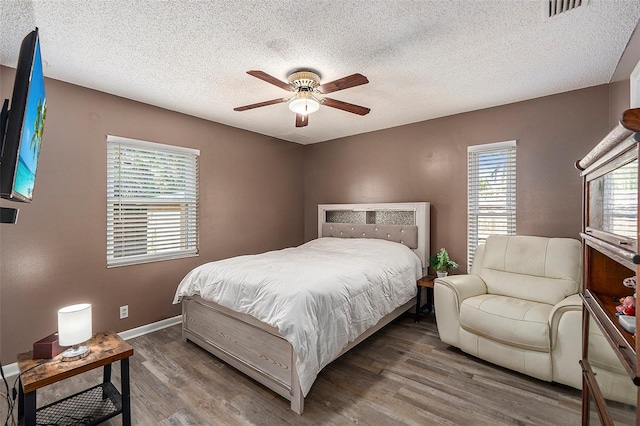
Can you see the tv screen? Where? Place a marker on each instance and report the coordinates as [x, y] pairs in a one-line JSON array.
[[21, 148]]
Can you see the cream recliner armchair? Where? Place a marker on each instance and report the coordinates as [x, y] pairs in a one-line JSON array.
[[519, 307]]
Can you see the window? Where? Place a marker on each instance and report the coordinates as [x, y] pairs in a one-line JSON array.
[[152, 201], [491, 193], [620, 201]]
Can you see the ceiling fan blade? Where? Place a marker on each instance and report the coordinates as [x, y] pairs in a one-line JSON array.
[[260, 104], [345, 106], [302, 120], [352, 80], [270, 79]]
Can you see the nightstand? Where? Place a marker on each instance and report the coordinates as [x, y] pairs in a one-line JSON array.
[[93, 405], [425, 282]]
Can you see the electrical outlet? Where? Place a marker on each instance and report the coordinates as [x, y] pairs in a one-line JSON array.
[[124, 311]]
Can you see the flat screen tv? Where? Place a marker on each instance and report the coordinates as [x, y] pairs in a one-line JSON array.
[[24, 123]]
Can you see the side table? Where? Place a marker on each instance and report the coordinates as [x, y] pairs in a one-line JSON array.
[[425, 282], [91, 406]]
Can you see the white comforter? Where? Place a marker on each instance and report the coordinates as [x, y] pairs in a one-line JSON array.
[[320, 295]]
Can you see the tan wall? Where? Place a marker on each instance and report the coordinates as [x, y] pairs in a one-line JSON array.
[[426, 161], [619, 92], [251, 200]]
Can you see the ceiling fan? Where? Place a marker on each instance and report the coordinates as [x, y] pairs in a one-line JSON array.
[[308, 93]]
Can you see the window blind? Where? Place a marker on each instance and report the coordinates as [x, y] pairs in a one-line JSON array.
[[620, 201], [152, 201], [491, 193]]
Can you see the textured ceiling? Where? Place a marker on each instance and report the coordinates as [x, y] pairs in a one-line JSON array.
[[424, 59]]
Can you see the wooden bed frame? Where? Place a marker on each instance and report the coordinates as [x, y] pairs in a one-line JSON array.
[[257, 349]]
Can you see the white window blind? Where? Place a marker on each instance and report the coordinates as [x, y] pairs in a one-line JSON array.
[[152, 201], [491, 193], [621, 201]]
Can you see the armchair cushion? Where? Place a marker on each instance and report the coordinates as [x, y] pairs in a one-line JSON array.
[[515, 322], [544, 270]]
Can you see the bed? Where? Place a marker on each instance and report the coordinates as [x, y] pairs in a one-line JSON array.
[[281, 316]]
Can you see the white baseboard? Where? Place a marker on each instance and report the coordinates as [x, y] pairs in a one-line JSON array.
[[12, 369], [150, 328]]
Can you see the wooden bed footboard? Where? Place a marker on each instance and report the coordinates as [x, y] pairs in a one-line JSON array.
[[240, 340], [253, 347]]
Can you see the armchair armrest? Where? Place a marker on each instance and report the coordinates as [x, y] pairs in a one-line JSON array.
[[568, 304], [463, 286], [449, 292], [565, 323]]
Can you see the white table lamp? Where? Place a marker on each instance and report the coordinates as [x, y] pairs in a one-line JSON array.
[[74, 327]]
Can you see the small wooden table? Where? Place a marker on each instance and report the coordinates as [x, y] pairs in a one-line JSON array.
[[93, 405], [426, 282]]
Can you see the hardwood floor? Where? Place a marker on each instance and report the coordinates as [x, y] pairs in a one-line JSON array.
[[403, 375]]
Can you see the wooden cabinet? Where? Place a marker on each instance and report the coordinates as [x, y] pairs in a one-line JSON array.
[[611, 373]]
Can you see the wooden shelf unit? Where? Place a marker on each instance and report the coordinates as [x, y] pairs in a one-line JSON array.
[[610, 246]]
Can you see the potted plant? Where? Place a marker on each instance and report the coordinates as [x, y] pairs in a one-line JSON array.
[[441, 263]]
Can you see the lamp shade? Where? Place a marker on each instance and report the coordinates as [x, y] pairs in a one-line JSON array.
[[74, 324], [304, 103]]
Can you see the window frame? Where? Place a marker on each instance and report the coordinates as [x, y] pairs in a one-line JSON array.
[[508, 207], [172, 211], [634, 87]]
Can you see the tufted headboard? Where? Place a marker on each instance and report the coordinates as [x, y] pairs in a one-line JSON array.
[[403, 234], [405, 223]]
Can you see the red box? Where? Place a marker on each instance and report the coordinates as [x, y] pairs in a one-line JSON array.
[[48, 347]]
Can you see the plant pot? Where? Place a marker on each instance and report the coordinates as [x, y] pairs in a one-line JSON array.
[[441, 274]]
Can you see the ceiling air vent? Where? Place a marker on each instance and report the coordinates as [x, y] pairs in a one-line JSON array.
[[556, 7]]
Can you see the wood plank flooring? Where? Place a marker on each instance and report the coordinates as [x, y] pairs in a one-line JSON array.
[[403, 375]]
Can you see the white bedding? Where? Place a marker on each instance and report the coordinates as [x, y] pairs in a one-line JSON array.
[[320, 295]]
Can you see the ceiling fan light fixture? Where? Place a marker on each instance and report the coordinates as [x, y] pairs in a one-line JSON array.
[[307, 94], [304, 103]]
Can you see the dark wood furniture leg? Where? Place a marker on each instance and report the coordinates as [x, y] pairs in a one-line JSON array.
[[418, 304], [126, 401], [106, 373], [20, 402], [106, 378], [26, 407]]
